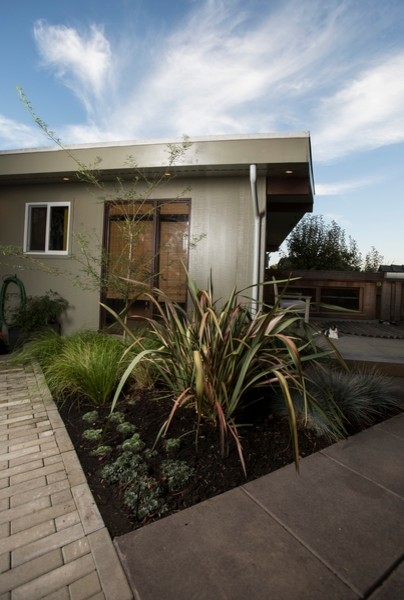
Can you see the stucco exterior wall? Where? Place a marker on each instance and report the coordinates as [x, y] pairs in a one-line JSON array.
[[222, 219]]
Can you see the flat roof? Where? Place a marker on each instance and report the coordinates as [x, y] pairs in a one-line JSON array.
[[209, 155]]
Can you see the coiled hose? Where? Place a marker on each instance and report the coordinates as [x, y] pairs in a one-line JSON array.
[[7, 280]]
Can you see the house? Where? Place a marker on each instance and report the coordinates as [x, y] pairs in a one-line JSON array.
[[219, 207]]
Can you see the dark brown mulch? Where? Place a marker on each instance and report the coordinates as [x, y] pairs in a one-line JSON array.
[[266, 447]]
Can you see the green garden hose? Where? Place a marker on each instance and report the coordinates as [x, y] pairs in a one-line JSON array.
[[7, 280]]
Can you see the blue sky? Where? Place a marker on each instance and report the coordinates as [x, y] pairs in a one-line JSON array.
[[137, 69]]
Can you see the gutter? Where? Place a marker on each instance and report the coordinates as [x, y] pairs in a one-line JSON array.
[[257, 241]]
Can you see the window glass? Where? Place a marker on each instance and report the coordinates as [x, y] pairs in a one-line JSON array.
[[37, 229], [58, 228], [47, 227]]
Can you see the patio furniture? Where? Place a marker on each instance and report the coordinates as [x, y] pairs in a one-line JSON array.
[[295, 301]]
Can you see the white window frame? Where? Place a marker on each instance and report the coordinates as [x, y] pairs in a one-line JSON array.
[[27, 224]]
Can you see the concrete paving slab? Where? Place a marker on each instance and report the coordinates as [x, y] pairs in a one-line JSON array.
[[387, 355], [355, 525], [393, 587], [394, 426], [376, 454], [226, 547]]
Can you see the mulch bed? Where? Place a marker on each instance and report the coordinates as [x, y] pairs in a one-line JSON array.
[[266, 447]]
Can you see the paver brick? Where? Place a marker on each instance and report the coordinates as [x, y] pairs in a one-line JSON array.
[[51, 459], [55, 419], [75, 549], [25, 509], [73, 468], [5, 560], [67, 520], [30, 570], [50, 450], [85, 587], [21, 432], [5, 422], [55, 580], [57, 476], [50, 542], [7, 443], [18, 453], [32, 473], [15, 490], [20, 425], [60, 594], [35, 464], [63, 440], [22, 538], [88, 510], [4, 533], [45, 490], [27, 444], [61, 496], [40, 515], [112, 577]]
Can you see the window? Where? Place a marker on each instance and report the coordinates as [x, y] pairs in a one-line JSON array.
[[343, 297], [47, 228]]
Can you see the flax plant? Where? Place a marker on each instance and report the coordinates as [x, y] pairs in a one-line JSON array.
[[212, 356]]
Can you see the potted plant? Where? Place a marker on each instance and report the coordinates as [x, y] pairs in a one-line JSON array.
[[36, 314]]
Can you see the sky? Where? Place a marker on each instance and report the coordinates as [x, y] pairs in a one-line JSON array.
[[98, 71]]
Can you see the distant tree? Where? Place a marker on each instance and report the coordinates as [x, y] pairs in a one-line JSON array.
[[316, 245], [373, 260]]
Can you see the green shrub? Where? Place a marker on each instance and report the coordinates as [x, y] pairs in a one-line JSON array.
[[89, 365], [171, 445], [125, 469], [144, 498], [359, 398], [101, 451], [176, 473], [43, 348], [133, 444], [117, 417], [213, 356], [38, 312], [125, 428], [92, 435], [90, 417]]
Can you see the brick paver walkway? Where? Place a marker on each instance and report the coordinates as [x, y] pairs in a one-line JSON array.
[[53, 542]]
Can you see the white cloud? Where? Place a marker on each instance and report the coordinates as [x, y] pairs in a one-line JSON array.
[[18, 135], [367, 113], [82, 62], [339, 188], [221, 73]]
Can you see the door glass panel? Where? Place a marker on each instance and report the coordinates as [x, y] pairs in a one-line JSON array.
[[173, 252], [130, 256]]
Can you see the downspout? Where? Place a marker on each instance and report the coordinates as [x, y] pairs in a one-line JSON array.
[[257, 241]]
